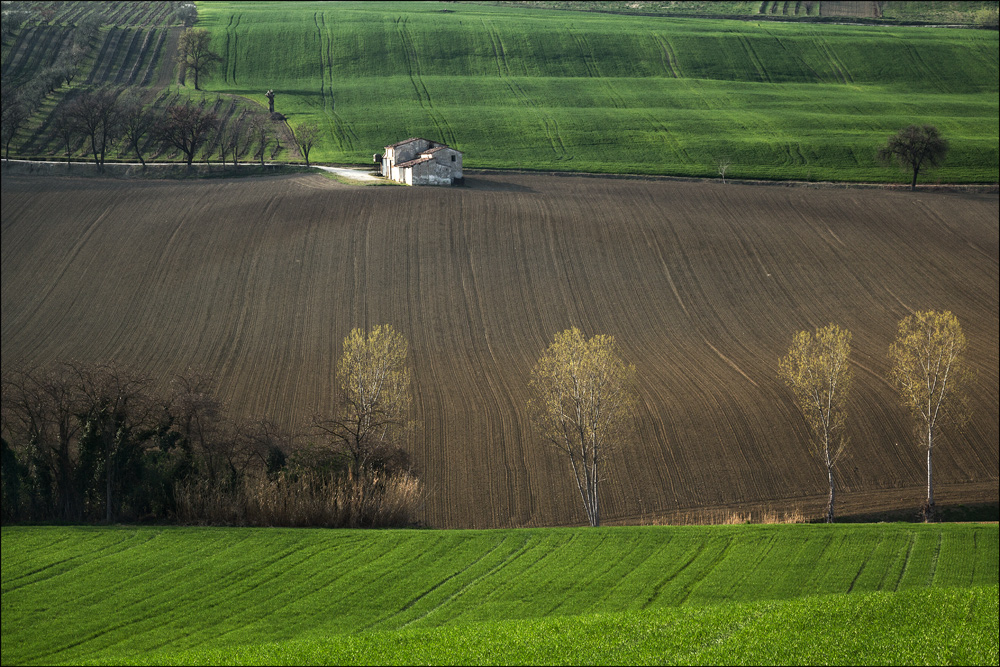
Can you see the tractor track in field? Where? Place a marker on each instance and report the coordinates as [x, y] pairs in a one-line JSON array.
[[424, 98]]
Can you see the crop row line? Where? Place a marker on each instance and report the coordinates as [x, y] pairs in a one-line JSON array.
[[154, 58], [110, 41], [129, 55], [467, 585]]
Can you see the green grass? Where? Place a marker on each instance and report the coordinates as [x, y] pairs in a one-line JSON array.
[[576, 91], [894, 593]]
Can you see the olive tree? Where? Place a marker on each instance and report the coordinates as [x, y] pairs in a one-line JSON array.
[[583, 402], [931, 374], [913, 148], [816, 370]]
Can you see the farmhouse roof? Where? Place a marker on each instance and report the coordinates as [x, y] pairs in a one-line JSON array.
[[410, 140], [410, 163]]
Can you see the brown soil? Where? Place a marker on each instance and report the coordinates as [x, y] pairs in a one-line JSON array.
[[703, 286]]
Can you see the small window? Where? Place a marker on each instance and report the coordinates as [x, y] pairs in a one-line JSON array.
[[452, 158]]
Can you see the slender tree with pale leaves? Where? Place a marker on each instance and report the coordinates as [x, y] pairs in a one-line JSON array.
[[816, 370], [583, 402], [930, 372], [373, 377]]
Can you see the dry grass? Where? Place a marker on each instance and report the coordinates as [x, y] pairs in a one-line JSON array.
[[726, 517], [308, 499]]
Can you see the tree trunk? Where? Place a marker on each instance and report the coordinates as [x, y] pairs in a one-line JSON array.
[[929, 506], [829, 508], [93, 147], [109, 515], [597, 509], [913, 185]]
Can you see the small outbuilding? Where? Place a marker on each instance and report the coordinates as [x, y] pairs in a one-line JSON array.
[[422, 162]]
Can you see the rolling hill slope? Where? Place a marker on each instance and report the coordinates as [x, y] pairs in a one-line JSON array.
[[258, 281], [586, 92], [876, 593], [515, 87]]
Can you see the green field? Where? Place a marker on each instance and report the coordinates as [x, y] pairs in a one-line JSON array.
[[575, 91], [519, 87], [877, 593]]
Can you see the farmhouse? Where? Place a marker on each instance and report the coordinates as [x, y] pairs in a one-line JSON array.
[[422, 162]]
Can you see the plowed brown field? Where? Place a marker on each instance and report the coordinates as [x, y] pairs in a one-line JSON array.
[[259, 280]]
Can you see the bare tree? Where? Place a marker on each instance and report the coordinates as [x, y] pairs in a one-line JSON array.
[[259, 445], [97, 115], [816, 370], [40, 410], [242, 137], [914, 147], [260, 130], [117, 417], [196, 415], [194, 54], [16, 112], [724, 164], [373, 377], [137, 122], [305, 137], [235, 138], [63, 125], [931, 375], [583, 403], [187, 127], [223, 140]]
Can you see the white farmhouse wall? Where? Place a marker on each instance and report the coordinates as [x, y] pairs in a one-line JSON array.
[[422, 162]]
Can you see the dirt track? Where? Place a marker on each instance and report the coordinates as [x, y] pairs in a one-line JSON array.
[[703, 285]]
